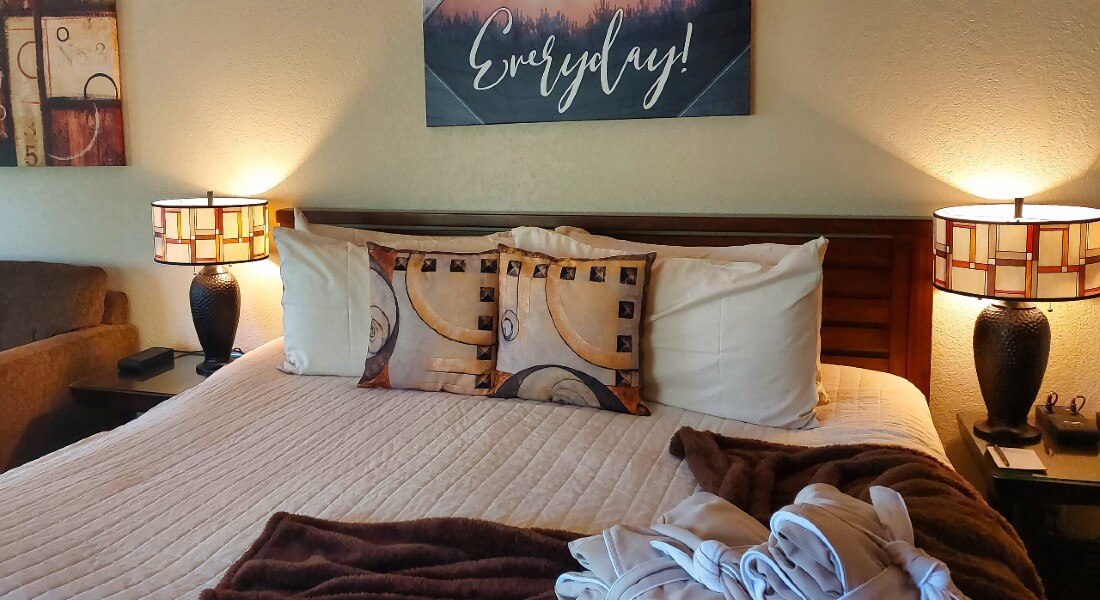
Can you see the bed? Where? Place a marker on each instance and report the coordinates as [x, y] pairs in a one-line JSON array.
[[163, 505]]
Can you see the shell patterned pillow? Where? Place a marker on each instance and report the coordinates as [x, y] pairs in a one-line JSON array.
[[570, 329], [433, 320]]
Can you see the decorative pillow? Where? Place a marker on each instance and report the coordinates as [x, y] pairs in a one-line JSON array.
[[571, 329], [326, 304], [737, 340], [424, 243], [433, 317], [765, 254]]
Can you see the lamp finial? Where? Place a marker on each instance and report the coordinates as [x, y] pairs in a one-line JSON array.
[[1019, 208], [210, 198]]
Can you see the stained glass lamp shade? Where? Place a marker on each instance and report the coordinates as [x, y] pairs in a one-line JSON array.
[[1050, 253], [1015, 254], [212, 232]]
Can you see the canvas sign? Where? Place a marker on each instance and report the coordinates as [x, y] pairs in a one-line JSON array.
[[522, 61]]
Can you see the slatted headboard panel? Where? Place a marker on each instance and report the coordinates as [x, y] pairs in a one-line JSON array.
[[878, 290]]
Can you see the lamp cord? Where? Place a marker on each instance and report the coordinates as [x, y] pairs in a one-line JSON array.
[[180, 353]]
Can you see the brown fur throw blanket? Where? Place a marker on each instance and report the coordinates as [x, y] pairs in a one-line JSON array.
[[950, 519], [303, 557]]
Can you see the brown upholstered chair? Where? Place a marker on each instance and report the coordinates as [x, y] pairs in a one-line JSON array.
[[58, 324]]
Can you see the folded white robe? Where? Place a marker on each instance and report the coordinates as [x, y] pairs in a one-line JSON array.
[[826, 545], [623, 564], [831, 545]]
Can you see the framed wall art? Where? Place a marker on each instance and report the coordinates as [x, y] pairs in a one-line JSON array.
[[523, 61], [60, 84]]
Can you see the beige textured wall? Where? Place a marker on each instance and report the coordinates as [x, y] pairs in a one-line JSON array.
[[863, 107]]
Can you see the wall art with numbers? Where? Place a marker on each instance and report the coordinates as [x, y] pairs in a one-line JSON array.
[[525, 61], [60, 85]]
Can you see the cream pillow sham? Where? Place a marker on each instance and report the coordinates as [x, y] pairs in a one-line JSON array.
[[733, 339], [326, 304], [424, 243], [765, 254]]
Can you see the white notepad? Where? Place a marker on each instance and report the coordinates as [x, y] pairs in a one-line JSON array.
[[1019, 459]]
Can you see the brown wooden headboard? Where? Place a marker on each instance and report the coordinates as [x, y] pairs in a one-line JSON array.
[[878, 279]]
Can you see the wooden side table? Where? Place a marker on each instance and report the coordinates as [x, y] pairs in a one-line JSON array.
[[127, 396], [1024, 497]]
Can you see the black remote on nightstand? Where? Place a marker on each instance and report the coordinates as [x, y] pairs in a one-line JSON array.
[[146, 360]]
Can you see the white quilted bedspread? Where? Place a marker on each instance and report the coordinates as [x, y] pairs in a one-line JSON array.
[[159, 508]]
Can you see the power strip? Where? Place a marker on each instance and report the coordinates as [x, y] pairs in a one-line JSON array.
[[1066, 426]]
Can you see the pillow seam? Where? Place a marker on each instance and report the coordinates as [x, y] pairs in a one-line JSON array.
[[347, 297]]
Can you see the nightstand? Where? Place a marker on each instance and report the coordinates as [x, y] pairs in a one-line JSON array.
[[1024, 498], [127, 396]]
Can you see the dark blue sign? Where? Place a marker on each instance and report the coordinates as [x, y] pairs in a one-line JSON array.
[[524, 61]]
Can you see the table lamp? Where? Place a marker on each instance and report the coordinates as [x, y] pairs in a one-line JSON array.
[[1015, 254], [211, 233]]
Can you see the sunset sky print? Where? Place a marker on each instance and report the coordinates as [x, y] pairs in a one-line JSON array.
[[577, 10]]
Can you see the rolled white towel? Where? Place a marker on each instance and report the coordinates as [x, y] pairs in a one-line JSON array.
[[827, 545], [819, 554], [763, 577], [621, 564], [713, 564], [830, 545], [629, 562], [707, 536]]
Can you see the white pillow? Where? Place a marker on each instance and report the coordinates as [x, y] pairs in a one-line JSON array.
[[733, 339], [397, 241], [326, 304], [766, 254]]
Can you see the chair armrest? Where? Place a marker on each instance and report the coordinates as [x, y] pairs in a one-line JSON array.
[[35, 378], [116, 308]]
